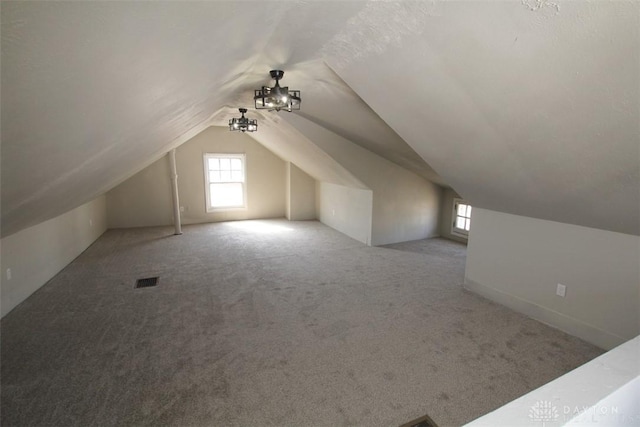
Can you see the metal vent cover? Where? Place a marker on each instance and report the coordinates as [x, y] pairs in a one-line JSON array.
[[146, 282], [421, 422]]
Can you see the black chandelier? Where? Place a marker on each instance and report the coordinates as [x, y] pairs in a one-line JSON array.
[[242, 123], [277, 98]]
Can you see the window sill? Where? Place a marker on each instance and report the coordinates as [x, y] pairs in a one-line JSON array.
[[214, 210], [460, 234]]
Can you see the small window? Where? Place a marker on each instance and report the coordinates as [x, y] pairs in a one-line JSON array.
[[461, 218], [224, 177]]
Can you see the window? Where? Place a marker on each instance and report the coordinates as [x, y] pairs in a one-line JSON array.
[[461, 218], [224, 178]]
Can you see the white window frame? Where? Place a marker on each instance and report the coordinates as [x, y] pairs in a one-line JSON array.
[[243, 158], [454, 216]]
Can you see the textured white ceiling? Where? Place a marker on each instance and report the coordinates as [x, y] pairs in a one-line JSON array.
[[528, 107]]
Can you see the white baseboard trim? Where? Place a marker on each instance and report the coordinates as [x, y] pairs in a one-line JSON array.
[[603, 339]]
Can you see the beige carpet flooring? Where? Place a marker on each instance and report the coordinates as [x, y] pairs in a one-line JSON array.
[[268, 323]]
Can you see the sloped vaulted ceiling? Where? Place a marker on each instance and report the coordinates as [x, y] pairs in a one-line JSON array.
[[528, 107]]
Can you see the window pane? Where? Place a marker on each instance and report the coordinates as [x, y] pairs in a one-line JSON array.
[[236, 176], [226, 195], [460, 222], [467, 224], [214, 176], [462, 209], [226, 177], [468, 211]]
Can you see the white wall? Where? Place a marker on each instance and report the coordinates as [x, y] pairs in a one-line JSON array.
[[145, 199], [36, 254], [345, 209], [518, 261], [405, 205], [301, 194]]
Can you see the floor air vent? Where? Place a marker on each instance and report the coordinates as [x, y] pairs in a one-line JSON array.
[[421, 422], [146, 283]]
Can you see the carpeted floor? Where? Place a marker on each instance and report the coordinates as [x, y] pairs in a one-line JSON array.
[[268, 323]]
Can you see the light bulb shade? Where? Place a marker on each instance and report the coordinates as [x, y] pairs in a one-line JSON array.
[[277, 97], [243, 124]]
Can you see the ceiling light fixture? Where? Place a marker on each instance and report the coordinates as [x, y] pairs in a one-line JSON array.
[[243, 123], [277, 98]]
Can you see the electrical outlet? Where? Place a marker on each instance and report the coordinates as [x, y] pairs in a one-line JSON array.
[[90, 223], [8, 274], [333, 212], [181, 208], [561, 290]]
